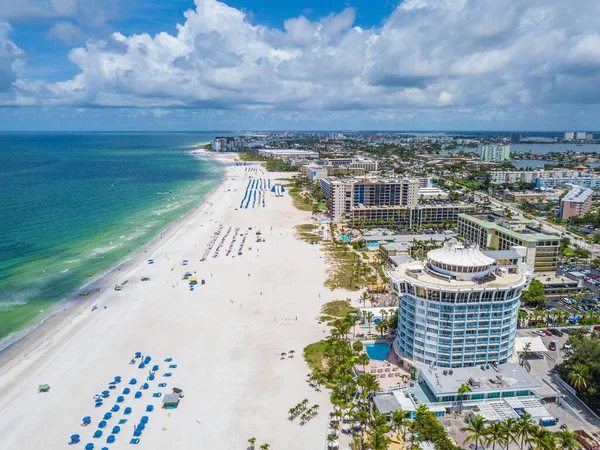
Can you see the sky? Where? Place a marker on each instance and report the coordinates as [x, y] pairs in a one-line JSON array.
[[179, 65]]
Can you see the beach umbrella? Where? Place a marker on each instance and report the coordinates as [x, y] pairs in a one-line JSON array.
[[151, 377], [138, 394], [155, 367], [107, 416], [86, 419], [133, 381], [142, 365], [145, 386], [102, 424], [105, 394], [97, 433], [127, 410], [168, 359], [137, 432], [98, 400], [149, 408], [75, 438], [115, 408], [116, 429], [147, 359], [138, 354], [126, 391], [120, 399], [141, 425], [118, 379], [110, 439], [89, 446], [144, 419]]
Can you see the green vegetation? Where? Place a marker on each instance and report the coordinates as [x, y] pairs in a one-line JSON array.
[[271, 165], [524, 432], [347, 270], [306, 232], [581, 367], [428, 428], [306, 196], [534, 296], [314, 355], [337, 308]]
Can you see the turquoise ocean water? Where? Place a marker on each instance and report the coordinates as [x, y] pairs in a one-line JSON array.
[[78, 204]]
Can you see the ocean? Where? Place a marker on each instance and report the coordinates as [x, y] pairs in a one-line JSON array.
[[73, 205]]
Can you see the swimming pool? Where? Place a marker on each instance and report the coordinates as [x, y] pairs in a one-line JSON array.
[[377, 351], [346, 238]]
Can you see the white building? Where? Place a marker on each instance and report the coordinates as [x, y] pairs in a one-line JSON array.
[[315, 173], [460, 307], [495, 153], [288, 154], [569, 135], [432, 193], [581, 135]]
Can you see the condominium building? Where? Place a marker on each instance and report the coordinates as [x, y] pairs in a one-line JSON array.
[[511, 176], [585, 181], [580, 136], [460, 307], [576, 203], [367, 165], [287, 154], [569, 135], [315, 173], [491, 231], [495, 153]]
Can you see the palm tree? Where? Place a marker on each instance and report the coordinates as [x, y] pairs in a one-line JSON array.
[[495, 434], [542, 439], [363, 360], [283, 354], [379, 441], [509, 430], [381, 327], [578, 376], [357, 346], [369, 316], [524, 428], [462, 390], [368, 382], [291, 353], [265, 447], [566, 440], [476, 430], [399, 423], [363, 298], [251, 443]]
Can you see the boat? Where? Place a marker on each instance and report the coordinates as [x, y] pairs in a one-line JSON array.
[[84, 293]]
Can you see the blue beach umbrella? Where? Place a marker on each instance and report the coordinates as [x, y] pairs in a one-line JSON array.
[[141, 425], [102, 424], [117, 379], [86, 419], [97, 433], [126, 391], [155, 367], [141, 365], [75, 438], [145, 386], [98, 400], [110, 439], [151, 377], [149, 408], [89, 446], [115, 408], [144, 419], [105, 394], [138, 394], [133, 381], [116, 429], [127, 410], [138, 354], [137, 432], [120, 399], [107, 416]]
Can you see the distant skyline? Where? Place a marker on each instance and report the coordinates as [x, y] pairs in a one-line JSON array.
[[182, 65]]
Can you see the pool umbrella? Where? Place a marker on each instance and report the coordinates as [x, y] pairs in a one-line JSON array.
[[144, 419], [110, 439], [107, 416], [102, 424], [133, 381], [120, 399], [116, 429], [126, 391], [127, 410], [75, 438], [97, 433], [115, 408], [86, 420], [89, 446], [105, 394]]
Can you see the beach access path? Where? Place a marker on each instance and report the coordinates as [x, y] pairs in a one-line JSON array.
[[226, 338]]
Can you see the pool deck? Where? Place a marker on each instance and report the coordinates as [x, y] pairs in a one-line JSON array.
[[389, 373]]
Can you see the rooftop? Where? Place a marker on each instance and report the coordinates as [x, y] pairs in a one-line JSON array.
[[504, 376], [491, 225], [458, 254], [578, 195]]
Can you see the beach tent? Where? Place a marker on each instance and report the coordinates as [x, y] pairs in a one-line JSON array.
[[44, 388], [171, 401]]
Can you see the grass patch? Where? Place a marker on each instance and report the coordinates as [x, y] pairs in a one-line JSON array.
[[306, 233], [314, 355], [347, 270], [301, 200], [337, 308]]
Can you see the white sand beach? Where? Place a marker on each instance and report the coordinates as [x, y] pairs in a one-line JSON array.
[[225, 337]]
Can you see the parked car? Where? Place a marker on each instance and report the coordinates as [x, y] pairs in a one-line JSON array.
[[567, 346], [552, 345], [547, 332]]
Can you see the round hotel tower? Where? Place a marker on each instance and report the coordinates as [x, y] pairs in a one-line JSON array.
[[460, 307]]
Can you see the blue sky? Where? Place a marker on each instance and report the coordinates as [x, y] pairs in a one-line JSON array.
[[251, 64]]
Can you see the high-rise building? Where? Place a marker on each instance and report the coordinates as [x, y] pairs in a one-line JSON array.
[[576, 203], [495, 153], [460, 307], [515, 138], [569, 136], [580, 135], [589, 137]]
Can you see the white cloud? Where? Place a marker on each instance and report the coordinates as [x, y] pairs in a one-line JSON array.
[[484, 54], [11, 59], [65, 32]]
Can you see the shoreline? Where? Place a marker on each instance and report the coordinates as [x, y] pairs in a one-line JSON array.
[[46, 324]]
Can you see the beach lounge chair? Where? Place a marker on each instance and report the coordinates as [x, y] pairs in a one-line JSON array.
[[107, 416], [126, 391], [122, 421], [149, 408], [98, 403], [173, 366], [86, 421], [133, 441], [97, 433], [43, 388], [162, 384], [168, 359], [110, 439], [102, 424], [89, 446], [138, 394], [120, 399], [157, 394], [75, 438], [115, 408], [116, 429], [127, 410], [167, 374]]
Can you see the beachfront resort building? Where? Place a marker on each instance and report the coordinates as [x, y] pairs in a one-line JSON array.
[[287, 154], [492, 231], [584, 180], [459, 307], [495, 153], [576, 203]]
